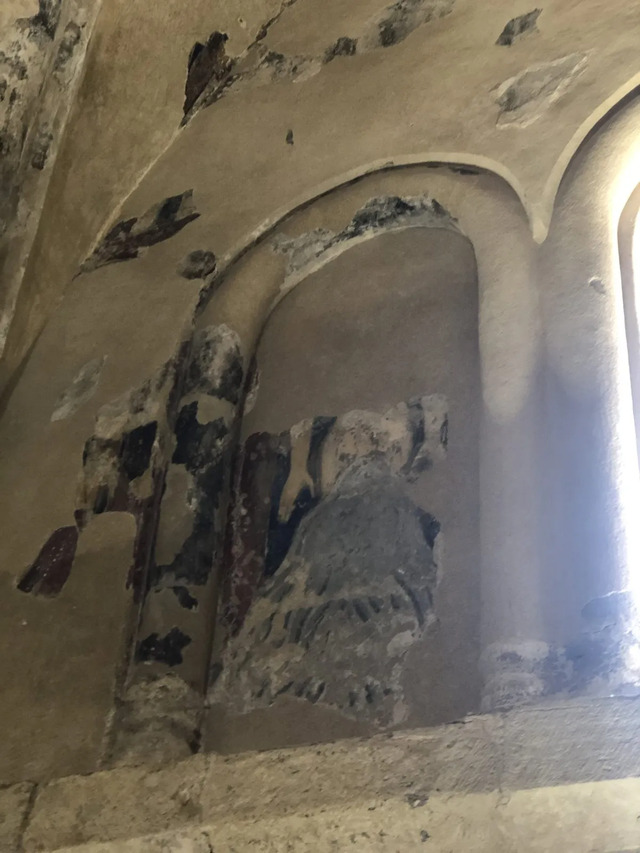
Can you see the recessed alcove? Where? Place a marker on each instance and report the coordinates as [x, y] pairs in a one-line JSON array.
[[351, 597]]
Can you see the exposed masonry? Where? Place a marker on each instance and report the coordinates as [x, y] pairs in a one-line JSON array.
[[260, 65], [157, 722], [524, 98], [520, 26], [385, 213], [331, 566], [129, 238], [396, 787]]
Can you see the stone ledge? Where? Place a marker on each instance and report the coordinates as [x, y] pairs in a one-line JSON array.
[[554, 745], [593, 817]]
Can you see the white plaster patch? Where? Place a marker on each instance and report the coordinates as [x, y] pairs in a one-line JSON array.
[[82, 388]]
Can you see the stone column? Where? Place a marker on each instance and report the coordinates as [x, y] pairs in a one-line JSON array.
[[590, 465], [512, 624]]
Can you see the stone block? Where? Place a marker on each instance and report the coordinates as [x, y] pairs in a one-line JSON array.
[[116, 804], [575, 742]]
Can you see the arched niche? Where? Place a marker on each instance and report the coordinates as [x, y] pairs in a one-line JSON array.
[[190, 562], [351, 602]]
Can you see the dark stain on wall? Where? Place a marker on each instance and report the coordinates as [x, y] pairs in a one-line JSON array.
[[519, 26], [212, 74], [208, 65], [167, 649], [216, 366], [197, 264], [197, 444], [344, 46], [47, 17], [68, 42], [51, 569], [129, 237], [135, 452], [185, 598]]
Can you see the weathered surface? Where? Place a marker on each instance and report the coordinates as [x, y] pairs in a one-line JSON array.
[[334, 567], [197, 264], [172, 649], [517, 27], [208, 66], [128, 238], [40, 60], [212, 74], [157, 722], [399, 20], [386, 213], [24, 53], [598, 662], [131, 102], [522, 99]]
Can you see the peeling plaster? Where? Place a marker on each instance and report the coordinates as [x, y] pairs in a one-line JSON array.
[[333, 566], [128, 238], [522, 99], [518, 27], [208, 65], [51, 568], [386, 213], [260, 65]]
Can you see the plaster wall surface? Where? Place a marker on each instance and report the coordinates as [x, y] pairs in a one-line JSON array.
[[578, 58], [112, 298]]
